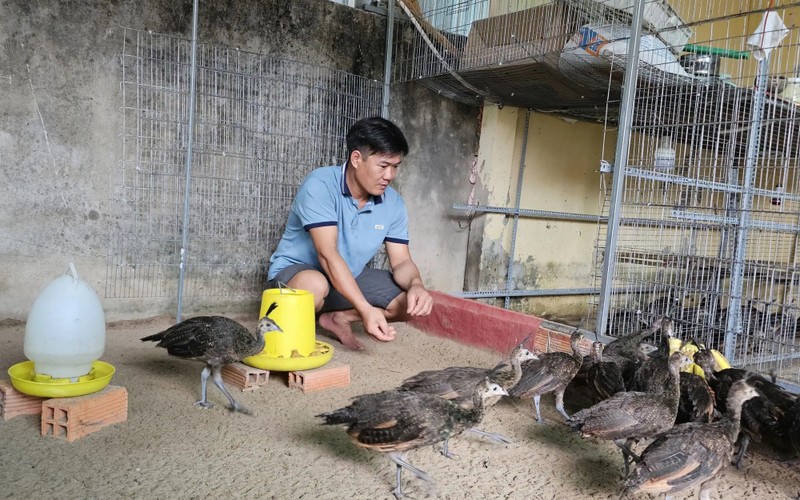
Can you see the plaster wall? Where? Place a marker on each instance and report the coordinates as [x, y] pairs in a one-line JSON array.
[[60, 146], [560, 174]]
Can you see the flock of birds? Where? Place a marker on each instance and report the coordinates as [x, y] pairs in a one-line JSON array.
[[695, 424], [766, 325]]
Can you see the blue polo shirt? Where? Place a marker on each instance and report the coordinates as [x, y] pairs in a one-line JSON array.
[[324, 200]]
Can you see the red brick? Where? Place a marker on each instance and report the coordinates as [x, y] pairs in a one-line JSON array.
[[73, 418], [13, 402], [244, 377], [552, 341], [326, 377]]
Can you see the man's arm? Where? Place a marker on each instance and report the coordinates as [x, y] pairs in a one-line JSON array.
[[325, 238], [406, 275]]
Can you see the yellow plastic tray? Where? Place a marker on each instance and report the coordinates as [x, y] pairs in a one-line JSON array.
[[321, 355], [26, 380]]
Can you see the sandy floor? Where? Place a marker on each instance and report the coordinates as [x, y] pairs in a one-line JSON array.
[[171, 449]]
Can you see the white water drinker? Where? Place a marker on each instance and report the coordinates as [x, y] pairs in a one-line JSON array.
[[66, 328], [665, 155]]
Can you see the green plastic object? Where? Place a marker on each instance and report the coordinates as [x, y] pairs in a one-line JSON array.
[[716, 51]]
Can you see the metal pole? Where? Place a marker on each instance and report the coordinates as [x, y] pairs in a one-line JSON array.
[[387, 65], [189, 147], [620, 165], [733, 327], [510, 272]]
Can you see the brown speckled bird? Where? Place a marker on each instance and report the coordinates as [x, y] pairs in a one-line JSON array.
[[627, 345], [627, 416], [394, 422], [764, 418], [217, 341], [690, 454], [552, 372], [697, 400], [457, 383], [604, 378]]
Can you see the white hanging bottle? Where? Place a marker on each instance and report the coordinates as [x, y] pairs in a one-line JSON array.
[[665, 155], [66, 328]]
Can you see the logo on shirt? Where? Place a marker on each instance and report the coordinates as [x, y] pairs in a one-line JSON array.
[[379, 227]]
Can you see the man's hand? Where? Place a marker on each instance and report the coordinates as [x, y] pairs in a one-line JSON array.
[[420, 301], [375, 324]]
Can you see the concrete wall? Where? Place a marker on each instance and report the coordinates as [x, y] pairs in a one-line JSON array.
[[560, 174], [60, 146]]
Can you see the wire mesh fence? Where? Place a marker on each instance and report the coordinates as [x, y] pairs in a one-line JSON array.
[[261, 125], [709, 208], [712, 189]]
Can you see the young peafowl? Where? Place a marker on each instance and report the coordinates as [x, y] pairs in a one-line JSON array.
[[457, 383], [691, 454], [764, 418], [604, 378], [552, 372], [217, 341], [395, 421], [628, 416]]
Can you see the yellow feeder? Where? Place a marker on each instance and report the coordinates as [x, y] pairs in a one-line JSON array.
[[690, 349], [25, 379], [294, 348]]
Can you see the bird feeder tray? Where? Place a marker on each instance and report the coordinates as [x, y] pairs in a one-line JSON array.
[[321, 355], [690, 350], [25, 379]]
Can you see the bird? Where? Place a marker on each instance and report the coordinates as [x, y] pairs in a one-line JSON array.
[[653, 373], [627, 345], [627, 416], [644, 352], [604, 378], [692, 453], [217, 341], [552, 372], [764, 417], [791, 424], [697, 401], [457, 383], [394, 422]]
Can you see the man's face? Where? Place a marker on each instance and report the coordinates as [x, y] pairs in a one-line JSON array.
[[374, 172]]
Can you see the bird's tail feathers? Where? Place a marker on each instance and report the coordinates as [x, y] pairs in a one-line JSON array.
[[336, 417], [153, 338]]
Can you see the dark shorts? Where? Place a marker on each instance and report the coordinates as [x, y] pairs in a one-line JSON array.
[[377, 285]]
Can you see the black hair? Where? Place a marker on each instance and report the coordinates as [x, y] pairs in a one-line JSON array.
[[376, 135]]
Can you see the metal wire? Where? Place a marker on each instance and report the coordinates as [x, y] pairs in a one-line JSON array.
[[262, 124], [699, 230], [716, 234]]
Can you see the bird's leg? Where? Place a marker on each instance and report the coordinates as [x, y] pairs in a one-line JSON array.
[[398, 491], [536, 400], [628, 456], [398, 459], [445, 451], [560, 404], [629, 444], [216, 375], [705, 491], [203, 401], [744, 442], [492, 436]]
